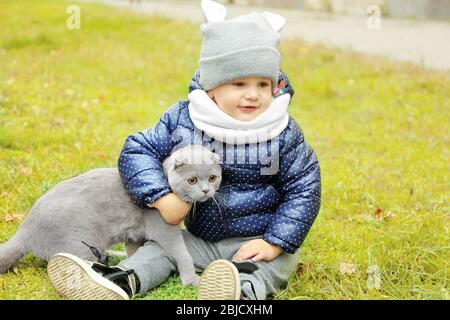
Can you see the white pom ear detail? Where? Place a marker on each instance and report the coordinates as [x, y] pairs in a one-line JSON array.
[[215, 158], [213, 11], [276, 21]]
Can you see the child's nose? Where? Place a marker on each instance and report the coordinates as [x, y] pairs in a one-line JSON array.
[[251, 94]]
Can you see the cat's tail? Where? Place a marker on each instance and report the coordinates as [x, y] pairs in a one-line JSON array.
[[11, 252]]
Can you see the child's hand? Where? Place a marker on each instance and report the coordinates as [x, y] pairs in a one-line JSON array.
[[172, 208], [257, 250]]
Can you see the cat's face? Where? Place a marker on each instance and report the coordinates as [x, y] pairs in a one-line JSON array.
[[194, 173], [195, 183]]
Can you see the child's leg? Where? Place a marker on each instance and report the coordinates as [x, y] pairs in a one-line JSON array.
[[132, 247], [148, 267], [269, 277], [153, 266]]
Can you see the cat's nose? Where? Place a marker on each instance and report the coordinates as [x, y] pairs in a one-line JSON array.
[[205, 191]]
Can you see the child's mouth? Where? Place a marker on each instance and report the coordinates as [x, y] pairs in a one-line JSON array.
[[248, 108]]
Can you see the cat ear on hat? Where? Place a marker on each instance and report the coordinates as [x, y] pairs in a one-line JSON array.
[[213, 11], [215, 158], [276, 21]]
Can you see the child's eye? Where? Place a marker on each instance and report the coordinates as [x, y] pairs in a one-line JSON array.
[[238, 84], [264, 84]]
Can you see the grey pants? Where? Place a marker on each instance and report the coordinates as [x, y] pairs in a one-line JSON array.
[[153, 266]]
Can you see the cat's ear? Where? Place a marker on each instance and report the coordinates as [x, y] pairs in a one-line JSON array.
[[276, 21], [215, 158], [178, 162], [213, 11]]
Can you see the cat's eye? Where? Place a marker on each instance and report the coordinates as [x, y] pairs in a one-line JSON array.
[[192, 180], [212, 178]]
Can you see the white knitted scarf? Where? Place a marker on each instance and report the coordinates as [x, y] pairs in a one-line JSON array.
[[209, 118]]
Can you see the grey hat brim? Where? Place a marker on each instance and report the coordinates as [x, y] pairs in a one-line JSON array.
[[258, 61]]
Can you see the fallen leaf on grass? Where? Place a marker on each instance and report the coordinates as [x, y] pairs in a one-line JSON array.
[[25, 171], [388, 216], [101, 155], [102, 97], [10, 217], [302, 268], [347, 268], [377, 214], [85, 105]]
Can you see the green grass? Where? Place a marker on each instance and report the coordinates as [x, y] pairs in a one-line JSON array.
[[69, 98]]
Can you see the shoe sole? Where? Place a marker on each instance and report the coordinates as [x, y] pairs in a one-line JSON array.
[[74, 279], [219, 281]]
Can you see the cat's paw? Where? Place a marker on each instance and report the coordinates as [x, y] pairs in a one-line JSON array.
[[187, 280]]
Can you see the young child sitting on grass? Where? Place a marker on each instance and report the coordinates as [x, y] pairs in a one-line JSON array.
[[238, 101]]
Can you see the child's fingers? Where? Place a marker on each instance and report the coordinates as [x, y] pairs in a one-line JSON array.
[[258, 257], [244, 254]]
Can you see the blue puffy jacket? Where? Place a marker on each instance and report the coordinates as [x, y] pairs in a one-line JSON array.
[[280, 206]]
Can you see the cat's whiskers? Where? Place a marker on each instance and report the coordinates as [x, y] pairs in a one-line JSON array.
[[188, 199], [219, 196], [228, 185], [191, 201], [220, 210], [194, 210], [220, 199]]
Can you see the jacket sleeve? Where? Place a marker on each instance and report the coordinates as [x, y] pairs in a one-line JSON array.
[[140, 162], [300, 185]]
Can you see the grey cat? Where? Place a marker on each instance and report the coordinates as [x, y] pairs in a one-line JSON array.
[[95, 208]]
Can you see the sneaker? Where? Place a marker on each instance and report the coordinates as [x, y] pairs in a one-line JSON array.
[[219, 281], [78, 279]]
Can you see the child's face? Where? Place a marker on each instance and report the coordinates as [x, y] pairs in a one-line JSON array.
[[244, 99]]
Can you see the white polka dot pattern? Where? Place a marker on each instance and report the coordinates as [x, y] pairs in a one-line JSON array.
[[281, 207]]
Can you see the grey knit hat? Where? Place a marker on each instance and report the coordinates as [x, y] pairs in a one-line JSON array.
[[245, 46]]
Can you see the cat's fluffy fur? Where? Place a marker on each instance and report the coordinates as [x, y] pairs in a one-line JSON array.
[[95, 208]]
